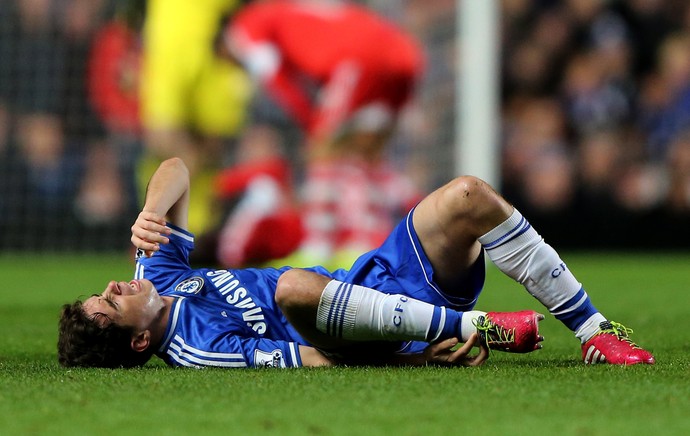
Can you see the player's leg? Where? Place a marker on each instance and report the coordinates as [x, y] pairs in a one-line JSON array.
[[331, 314], [334, 315], [460, 219]]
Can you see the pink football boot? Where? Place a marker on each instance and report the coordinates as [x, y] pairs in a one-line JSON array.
[[515, 332], [613, 345]]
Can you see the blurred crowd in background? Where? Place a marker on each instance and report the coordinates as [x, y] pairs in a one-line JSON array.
[[595, 105]]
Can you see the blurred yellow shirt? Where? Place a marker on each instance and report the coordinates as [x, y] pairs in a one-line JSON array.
[[184, 84]]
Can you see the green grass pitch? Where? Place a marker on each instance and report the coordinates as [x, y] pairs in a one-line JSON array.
[[546, 392]]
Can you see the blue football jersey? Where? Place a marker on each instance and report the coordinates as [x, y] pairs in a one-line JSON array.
[[225, 318]]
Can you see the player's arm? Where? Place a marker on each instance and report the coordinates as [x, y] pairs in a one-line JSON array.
[[249, 47], [285, 89], [234, 351], [444, 353], [312, 357], [167, 198]]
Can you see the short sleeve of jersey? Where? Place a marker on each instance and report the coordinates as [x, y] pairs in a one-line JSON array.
[[169, 263], [233, 351]]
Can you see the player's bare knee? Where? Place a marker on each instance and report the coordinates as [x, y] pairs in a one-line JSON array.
[[299, 291], [466, 194], [296, 288], [286, 288], [472, 199]]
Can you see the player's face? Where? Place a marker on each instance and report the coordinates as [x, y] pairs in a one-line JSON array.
[[135, 304]]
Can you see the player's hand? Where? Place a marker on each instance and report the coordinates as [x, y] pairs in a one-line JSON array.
[[441, 353], [149, 231]]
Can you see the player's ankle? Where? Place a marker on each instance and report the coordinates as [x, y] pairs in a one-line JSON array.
[[589, 328], [468, 324]]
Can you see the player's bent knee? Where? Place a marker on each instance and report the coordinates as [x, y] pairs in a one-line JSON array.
[[285, 288], [469, 191], [468, 197], [299, 288]]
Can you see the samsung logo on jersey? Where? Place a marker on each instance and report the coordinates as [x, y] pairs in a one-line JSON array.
[[190, 286], [229, 287]]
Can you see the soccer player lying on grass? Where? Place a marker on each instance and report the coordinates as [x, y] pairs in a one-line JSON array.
[[408, 302]]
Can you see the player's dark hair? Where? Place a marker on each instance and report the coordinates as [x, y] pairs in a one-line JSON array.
[[83, 342]]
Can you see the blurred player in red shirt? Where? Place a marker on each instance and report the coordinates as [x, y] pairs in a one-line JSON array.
[[343, 74]]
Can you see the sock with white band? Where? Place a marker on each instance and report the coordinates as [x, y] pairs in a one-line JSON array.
[[521, 253], [358, 313]]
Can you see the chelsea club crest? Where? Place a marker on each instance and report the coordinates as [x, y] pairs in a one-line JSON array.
[[190, 286]]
